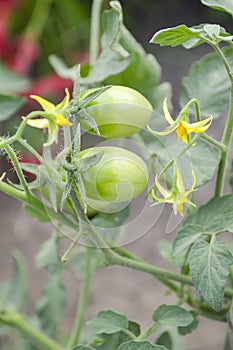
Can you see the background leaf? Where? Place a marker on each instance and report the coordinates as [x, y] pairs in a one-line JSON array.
[[51, 304], [13, 294], [209, 275], [9, 105], [143, 72], [172, 315], [82, 347], [202, 158], [108, 322], [112, 341], [214, 94], [214, 217], [140, 345], [186, 236], [223, 5], [11, 82], [175, 36]]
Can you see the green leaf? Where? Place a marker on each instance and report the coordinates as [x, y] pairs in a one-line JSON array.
[[172, 315], [108, 322], [191, 327], [210, 273], [143, 72], [214, 217], [13, 294], [89, 161], [33, 212], [9, 105], [140, 345], [113, 58], [61, 68], [82, 347], [186, 236], [213, 94], [50, 306], [11, 82], [231, 175], [48, 255], [203, 158], [112, 341], [175, 36], [222, 5], [169, 337]]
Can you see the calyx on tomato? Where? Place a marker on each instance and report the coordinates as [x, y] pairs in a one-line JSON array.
[[119, 176], [119, 111]]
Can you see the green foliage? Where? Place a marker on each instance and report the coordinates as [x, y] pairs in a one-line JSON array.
[[113, 340], [190, 327], [172, 315], [214, 217], [190, 37], [204, 262], [202, 158], [9, 105], [209, 275], [223, 5], [11, 82], [81, 347], [140, 345], [108, 322], [214, 94], [13, 294], [51, 305]]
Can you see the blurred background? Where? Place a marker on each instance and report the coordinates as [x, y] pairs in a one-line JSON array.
[[32, 30]]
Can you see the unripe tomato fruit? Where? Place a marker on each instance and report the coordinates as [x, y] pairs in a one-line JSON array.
[[119, 112], [119, 176]]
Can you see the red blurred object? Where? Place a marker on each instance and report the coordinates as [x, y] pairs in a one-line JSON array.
[[25, 54], [49, 85], [25, 158]]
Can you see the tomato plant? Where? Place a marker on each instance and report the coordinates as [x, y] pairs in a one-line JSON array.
[[179, 153]]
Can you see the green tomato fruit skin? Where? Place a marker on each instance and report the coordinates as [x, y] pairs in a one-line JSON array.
[[119, 176], [119, 111]]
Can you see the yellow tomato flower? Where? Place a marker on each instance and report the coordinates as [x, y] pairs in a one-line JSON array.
[[177, 196], [182, 127], [56, 112]]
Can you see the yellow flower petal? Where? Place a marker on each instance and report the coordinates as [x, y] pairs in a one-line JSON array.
[[38, 123], [161, 200], [162, 190], [167, 114], [179, 181], [65, 103], [46, 105], [162, 133], [182, 133], [201, 126], [193, 185], [60, 120], [180, 209]]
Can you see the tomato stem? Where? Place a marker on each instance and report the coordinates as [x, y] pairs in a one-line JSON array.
[[82, 303]]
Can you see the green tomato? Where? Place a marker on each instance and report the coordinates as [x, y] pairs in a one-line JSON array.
[[119, 112], [119, 176]]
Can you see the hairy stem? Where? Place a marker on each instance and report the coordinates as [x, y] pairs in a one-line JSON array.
[[226, 141], [82, 303], [16, 320]]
